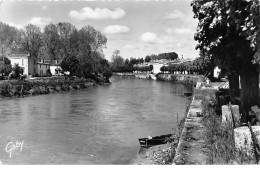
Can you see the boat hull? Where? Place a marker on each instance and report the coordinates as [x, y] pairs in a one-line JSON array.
[[146, 142], [188, 94]]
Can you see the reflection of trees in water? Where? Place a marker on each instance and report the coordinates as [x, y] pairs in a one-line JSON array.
[[179, 89]]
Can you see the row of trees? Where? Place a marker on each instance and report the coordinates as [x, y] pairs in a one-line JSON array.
[[81, 51], [199, 66], [119, 64], [228, 33], [168, 56], [127, 69]]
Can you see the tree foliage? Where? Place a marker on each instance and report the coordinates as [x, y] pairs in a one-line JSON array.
[[117, 60], [202, 66], [17, 71], [9, 38], [228, 31], [81, 51], [52, 41], [31, 40], [5, 66], [147, 58], [168, 56]]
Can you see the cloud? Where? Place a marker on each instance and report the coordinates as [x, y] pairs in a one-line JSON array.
[[183, 31], [128, 46], [39, 21], [149, 37], [175, 14], [116, 29], [97, 13], [45, 7]]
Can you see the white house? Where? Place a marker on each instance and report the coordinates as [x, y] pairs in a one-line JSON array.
[[29, 64], [23, 61], [55, 67]]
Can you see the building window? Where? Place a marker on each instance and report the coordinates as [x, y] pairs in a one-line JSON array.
[[22, 61]]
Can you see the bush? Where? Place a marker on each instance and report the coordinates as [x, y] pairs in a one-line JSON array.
[[17, 71]]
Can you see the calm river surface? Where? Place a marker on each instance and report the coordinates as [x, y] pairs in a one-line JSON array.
[[90, 126]]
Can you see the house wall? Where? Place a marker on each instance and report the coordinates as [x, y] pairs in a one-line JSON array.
[[21, 61], [42, 69], [32, 66], [53, 69], [157, 68]]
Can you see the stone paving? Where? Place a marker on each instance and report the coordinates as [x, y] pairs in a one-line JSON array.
[[191, 148]]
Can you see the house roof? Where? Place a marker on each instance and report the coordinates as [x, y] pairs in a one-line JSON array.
[[53, 62], [43, 63], [15, 55]]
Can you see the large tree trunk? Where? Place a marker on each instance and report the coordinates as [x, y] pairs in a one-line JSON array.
[[249, 89], [233, 79]]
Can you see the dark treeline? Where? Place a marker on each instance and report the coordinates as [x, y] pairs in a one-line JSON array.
[[79, 50], [168, 56]]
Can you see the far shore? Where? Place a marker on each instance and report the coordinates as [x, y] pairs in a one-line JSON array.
[[12, 89]]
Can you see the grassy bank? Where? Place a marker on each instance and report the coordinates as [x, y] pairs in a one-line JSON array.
[[220, 140], [18, 88]]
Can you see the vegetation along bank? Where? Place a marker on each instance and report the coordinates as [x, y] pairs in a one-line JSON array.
[[18, 88]]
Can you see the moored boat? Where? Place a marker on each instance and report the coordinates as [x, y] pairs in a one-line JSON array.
[[187, 93], [152, 141]]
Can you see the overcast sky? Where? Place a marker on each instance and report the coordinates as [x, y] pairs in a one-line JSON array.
[[136, 28]]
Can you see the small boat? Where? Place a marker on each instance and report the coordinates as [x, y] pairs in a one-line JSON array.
[[152, 141], [187, 94]]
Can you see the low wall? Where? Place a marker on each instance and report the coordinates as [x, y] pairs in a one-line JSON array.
[[182, 78], [192, 146], [132, 75]]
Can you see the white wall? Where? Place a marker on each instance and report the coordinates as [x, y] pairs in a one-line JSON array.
[[216, 72], [157, 68], [52, 68], [21, 61]]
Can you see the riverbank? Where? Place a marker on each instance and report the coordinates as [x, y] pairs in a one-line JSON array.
[[10, 89], [181, 78], [189, 146], [166, 153], [192, 144], [132, 75], [161, 154]]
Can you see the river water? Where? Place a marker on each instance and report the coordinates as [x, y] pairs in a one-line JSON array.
[[91, 126]]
